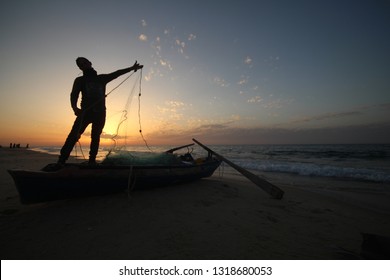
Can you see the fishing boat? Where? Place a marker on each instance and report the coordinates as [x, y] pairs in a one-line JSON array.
[[81, 180]]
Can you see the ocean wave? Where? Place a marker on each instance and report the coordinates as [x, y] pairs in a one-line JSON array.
[[310, 169]]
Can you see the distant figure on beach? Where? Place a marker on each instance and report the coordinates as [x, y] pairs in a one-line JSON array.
[[93, 106]]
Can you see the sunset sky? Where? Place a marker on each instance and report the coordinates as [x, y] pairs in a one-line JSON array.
[[225, 72]]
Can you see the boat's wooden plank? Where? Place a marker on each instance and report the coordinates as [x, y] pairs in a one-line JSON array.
[[178, 148]]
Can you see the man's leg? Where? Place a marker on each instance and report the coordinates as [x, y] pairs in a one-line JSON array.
[[97, 129], [80, 124]]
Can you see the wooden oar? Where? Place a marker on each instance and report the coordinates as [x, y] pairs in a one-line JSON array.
[[178, 148], [274, 191]]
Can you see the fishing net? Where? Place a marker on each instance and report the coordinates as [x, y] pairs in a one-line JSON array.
[[118, 155], [141, 158], [121, 156]]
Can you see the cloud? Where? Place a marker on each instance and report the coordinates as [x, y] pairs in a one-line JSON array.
[[225, 133], [348, 113], [167, 47], [171, 106], [243, 81], [181, 45], [255, 99], [385, 106], [357, 111], [175, 104], [166, 63], [191, 37], [220, 82], [143, 38], [277, 103], [271, 104], [248, 61], [206, 128], [236, 117], [326, 116], [173, 110], [151, 73], [381, 106], [229, 132]]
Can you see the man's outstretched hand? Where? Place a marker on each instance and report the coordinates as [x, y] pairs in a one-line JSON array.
[[137, 66]]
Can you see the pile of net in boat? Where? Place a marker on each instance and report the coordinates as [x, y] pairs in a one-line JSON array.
[[140, 158]]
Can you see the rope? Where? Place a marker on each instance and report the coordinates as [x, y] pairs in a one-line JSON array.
[[81, 150], [131, 74], [139, 112], [123, 117]]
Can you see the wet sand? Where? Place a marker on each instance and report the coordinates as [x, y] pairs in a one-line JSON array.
[[216, 218]]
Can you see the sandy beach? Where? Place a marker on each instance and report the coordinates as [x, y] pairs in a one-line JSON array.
[[216, 218]]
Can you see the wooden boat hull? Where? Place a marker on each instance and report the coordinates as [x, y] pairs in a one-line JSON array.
[[75, 180]]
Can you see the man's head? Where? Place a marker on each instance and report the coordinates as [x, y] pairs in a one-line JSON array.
[[83, 63]]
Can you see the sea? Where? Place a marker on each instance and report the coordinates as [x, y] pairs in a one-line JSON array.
[[353, 162]]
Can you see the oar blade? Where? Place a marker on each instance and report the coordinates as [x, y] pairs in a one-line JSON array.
[[271, 189]]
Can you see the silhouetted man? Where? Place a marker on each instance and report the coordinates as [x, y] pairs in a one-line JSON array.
[[93, 106]]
